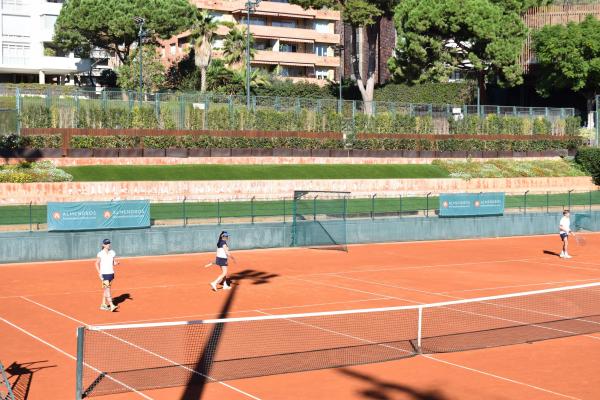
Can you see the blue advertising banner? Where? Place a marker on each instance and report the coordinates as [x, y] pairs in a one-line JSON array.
[[92, 215], [471, 204]]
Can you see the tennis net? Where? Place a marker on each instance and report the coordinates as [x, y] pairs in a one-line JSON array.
[[119, 358]]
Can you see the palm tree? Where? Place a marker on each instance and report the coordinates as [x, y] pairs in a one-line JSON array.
[[258, 77], [203, 30], [234, 48]]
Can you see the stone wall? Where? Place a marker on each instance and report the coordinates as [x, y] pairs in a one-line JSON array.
[[41, 193]]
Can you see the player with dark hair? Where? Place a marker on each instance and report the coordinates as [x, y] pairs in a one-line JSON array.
[[221, 260], [105, 262]]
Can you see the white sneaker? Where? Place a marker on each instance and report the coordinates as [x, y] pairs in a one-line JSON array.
[[226, 287], [562, 254], [567, 255], [213, 286]]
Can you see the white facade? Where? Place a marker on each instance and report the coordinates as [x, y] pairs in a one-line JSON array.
[[25, 25]]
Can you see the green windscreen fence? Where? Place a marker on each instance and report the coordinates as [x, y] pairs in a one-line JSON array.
[[319, 219], [583, 222]]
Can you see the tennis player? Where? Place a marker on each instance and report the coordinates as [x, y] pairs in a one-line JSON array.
[[221, 260], [105, 262], [564, 231]]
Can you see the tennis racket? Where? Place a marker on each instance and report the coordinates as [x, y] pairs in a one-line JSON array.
[[580, 240]]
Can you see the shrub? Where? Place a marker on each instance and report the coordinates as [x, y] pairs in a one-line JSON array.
[[589, 160], [43, 171], [41, 141], [430, 93]]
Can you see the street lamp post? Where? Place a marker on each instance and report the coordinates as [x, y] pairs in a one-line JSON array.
[[250, 6], [141, 33], [340, 51]]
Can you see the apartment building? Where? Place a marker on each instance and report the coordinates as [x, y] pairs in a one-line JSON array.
[[27, 27], [292, 42]]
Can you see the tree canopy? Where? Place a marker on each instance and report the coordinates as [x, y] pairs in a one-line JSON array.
[[153, 71], [436, 37], [108, 24], [568, 57]]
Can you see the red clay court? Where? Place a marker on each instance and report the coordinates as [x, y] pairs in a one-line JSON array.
[[44, 303]]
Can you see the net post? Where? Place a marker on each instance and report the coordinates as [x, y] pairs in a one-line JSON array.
[[420, 329], [79, 366], [9, 395]]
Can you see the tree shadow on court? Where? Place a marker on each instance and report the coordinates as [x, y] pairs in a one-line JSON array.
[[201, 374], [121, 298], [20, 376], [201, 371], [552, 253], [256, 277], [386, 390]]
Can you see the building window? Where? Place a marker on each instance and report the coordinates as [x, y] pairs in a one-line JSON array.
[[218, 43], [49, 21], [288, 48], [254, 21], [173, 49], [286, 23], [15, 53], [321, 73], [290, 72], [261, 45], [321, 26], [16, 26], [321, 49]]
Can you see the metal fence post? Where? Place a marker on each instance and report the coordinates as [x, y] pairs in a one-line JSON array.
[[569, 198], [181, 116], [30, 217], [315, 208], [373, 206], [218, 211], [205, 119], [400, 213], [157, 106], [252, 209], [345, 206], [525, 201], [547, 202], [590, 201], [18, 107], [427, 204], [184, 212], [284, 210]]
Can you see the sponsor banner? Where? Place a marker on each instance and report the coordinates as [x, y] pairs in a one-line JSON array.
[[471, 204], [92, 215]]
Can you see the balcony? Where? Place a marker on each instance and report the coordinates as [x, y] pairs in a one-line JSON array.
[[296, 59], [293, 34], [50, 65], [268, 8]]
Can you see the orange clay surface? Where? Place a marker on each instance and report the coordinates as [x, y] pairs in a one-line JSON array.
[[42, 304]]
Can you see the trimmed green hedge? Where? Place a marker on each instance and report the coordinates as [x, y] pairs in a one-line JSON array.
[[510, 125], [589, 159], [428, 93], [464, 145]]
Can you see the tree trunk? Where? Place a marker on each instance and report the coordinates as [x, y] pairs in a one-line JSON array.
[[590, 106], [481, 86], [203, 79], [366, 86]]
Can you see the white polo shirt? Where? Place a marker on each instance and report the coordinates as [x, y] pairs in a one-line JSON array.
[[107, 261], [565, 222]]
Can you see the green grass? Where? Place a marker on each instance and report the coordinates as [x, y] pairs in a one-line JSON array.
[[282, 209], [250, 172]]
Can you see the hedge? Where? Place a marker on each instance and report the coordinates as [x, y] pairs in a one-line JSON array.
[[589, 159], [427, 93], [510, 125], [463, 145]]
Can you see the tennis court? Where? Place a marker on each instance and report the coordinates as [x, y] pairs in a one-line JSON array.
[[43, 304]]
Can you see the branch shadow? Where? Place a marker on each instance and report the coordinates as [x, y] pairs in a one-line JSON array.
[[256, 277], [386, 390], [20, 376], [201, 371]]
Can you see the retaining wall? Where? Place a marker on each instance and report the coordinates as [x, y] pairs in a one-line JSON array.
[[44, 192], [44, 246]]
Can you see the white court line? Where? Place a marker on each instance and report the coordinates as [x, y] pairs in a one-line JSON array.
[[516, 286], [498, 377], [194, 316], [73, 358], [147, 351], [554, 263], [485, 315], [439, 360]]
